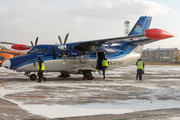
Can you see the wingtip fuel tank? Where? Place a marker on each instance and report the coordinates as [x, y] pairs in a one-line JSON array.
[[157, 34]]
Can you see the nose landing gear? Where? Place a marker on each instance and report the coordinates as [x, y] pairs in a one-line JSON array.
[[33, 77]]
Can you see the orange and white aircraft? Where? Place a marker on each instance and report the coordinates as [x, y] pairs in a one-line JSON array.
[[6, 54]]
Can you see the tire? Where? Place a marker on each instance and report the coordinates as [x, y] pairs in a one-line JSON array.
[[65, 75], [33, 77], [88, 75]]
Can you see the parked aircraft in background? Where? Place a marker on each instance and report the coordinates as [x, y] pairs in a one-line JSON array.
[[6, 54], [82, 57], [21, 46]]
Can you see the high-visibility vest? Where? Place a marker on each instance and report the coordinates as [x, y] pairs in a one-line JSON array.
[[42, 66], [140, 65], [105, 63]]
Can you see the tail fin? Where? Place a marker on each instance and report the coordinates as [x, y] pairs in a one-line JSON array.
[[142, 24]]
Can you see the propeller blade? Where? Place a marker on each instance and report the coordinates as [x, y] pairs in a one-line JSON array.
[[58, 52], [66, 38], [60, 40], [32, 44], [36, 41]]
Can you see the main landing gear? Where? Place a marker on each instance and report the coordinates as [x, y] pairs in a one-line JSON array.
[[87, 75], [64, 75]]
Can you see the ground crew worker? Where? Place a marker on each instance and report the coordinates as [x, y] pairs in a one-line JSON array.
[[104, 66], [140, 69], [41, 68]]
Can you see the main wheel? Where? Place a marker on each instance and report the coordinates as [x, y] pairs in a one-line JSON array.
[[88, 75], [33, 77], [65, 75]]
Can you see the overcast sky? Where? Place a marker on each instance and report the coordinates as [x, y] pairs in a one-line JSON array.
[[21, 21]]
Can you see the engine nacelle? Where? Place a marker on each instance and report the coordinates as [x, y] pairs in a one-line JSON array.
[[62, 47]]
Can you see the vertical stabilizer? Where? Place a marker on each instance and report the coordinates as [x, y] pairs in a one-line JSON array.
[[142, 24]]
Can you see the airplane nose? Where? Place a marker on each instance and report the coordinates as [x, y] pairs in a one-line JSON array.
[[6, 64]]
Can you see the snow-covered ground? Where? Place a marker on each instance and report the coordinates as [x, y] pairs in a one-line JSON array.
[[119, 93]]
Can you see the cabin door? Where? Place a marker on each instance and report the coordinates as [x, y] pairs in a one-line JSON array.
[[100, 56]]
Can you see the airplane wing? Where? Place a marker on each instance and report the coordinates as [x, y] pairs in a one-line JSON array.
[[8, 43], [150, 35], [126, 38], [139, 35], [141, 42], [90, 46], [17, 46]]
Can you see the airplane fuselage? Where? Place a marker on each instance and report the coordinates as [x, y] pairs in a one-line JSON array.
[[74, 61]]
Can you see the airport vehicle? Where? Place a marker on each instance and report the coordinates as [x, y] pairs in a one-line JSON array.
[[82, 57]]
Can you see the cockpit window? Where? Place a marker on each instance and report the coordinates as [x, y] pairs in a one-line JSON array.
[[34, 50], [46, 50], [40, 51]]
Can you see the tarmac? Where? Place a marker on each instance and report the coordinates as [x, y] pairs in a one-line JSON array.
[[159, 89]]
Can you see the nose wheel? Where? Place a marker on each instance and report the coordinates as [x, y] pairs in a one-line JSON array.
[[33, 77]]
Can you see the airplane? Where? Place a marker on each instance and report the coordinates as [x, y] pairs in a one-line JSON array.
[[6, 54], [21, 46], [82, 57]]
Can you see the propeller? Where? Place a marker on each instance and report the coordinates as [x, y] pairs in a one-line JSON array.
[[36, 41], [63, 46]]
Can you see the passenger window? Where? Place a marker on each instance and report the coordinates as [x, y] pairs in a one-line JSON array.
[[46, 50], [40, 51], [34, 50]]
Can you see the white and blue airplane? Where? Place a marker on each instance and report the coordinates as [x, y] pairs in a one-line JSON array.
[[83, 57]]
